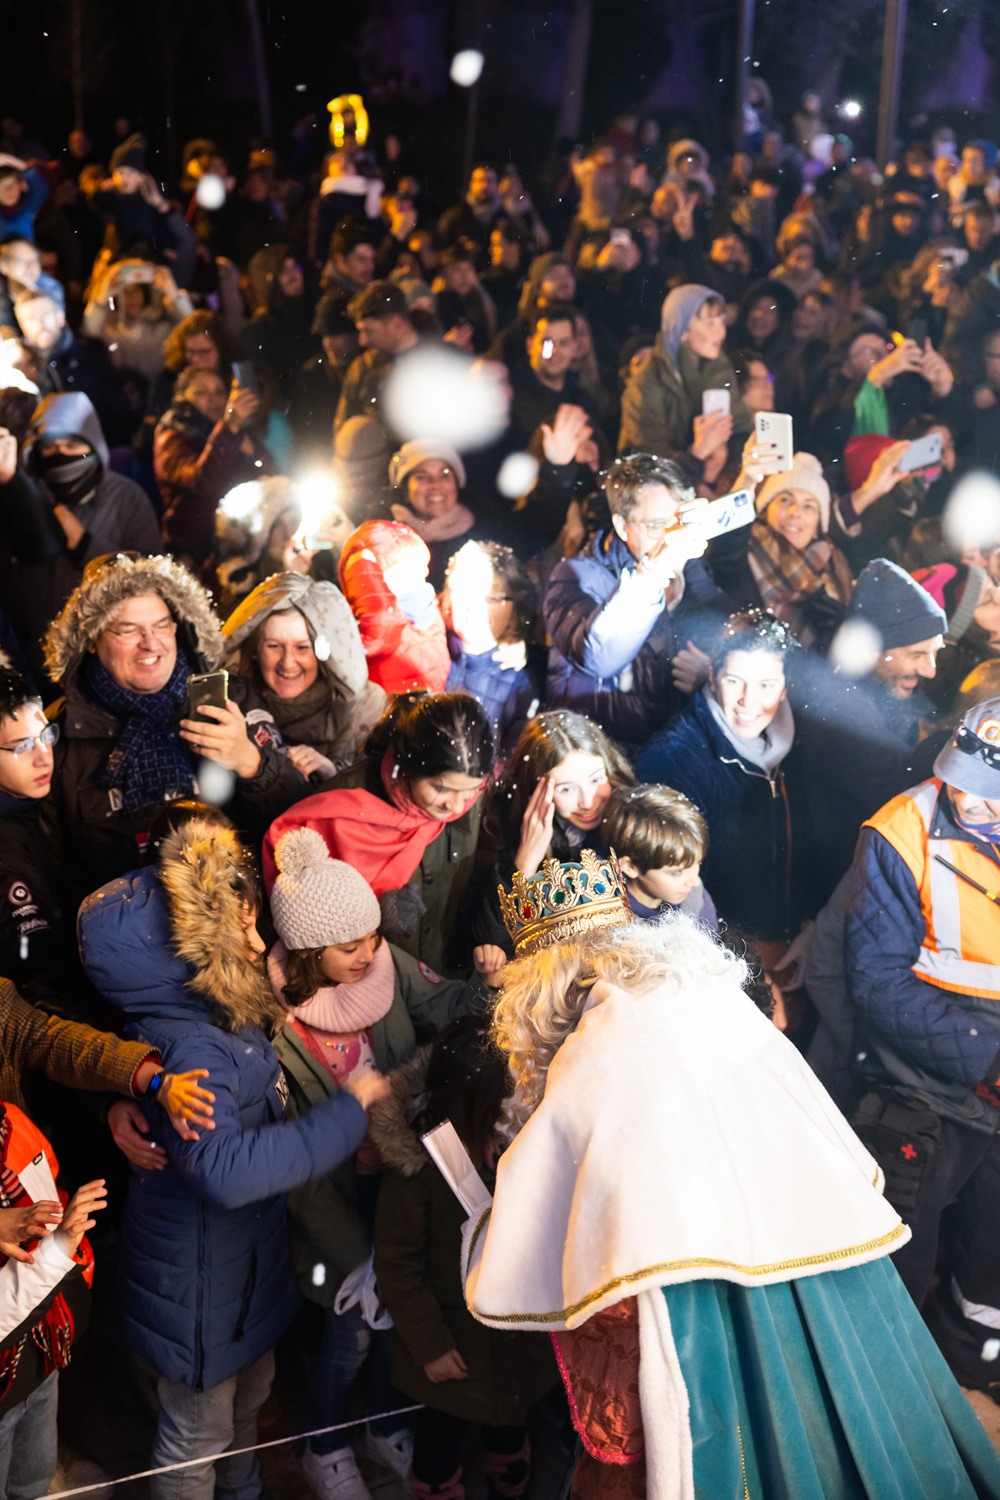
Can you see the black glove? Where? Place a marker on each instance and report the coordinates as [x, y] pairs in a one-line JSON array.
[[401, 912]]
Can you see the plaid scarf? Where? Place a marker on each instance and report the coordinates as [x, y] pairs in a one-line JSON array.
[[150, 762], [53, 1333], [785, 576]]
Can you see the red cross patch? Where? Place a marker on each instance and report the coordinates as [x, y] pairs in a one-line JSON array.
[[908, 1151]]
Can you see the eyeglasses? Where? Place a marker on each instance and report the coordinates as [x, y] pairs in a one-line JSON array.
[[162, 630], [652, 528], [46, 739]]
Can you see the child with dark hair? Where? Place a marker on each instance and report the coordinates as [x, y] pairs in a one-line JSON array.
[[463, 1373], [660, 840], [407, 816]]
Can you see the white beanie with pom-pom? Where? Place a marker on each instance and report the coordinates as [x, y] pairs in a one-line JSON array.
[[318, 901], [806, 474]]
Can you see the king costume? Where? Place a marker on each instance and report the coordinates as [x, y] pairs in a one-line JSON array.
[[694, 1222]]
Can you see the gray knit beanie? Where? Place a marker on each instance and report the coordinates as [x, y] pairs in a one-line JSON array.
[[316, 900]]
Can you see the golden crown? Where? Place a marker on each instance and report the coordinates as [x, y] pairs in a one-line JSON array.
[[562, 900]]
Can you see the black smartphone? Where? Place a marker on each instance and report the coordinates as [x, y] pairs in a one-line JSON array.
[[245, 375], [916, 329], [206, 687]]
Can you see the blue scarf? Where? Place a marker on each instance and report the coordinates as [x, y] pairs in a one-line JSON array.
[[150, 763]]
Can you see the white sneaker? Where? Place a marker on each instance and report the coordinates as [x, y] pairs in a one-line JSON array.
[[334, 1476], [394, 1452]]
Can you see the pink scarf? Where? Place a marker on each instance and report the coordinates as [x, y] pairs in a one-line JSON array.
[[338, 1008]]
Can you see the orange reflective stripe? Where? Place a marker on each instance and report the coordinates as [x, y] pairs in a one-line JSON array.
[[961, 924]]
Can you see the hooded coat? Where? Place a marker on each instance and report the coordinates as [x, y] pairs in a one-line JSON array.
[[117, 517], [97, 841], [661, 400], [403, 654], [337, 714], [206, 1283], [418, 1239]]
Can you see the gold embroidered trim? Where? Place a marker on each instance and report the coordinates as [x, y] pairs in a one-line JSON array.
[[743, 1467], [696, 1263]]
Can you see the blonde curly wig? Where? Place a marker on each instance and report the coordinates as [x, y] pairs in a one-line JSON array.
[[544, 994]]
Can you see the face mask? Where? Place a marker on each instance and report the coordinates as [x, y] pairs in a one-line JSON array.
[[70, 478]]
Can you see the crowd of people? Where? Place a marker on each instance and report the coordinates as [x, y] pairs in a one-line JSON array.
[[290, 686]]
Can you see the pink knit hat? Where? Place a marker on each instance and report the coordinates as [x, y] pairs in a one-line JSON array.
[[806, 473]]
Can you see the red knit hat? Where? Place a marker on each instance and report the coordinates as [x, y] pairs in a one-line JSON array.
[[860, 454], [957, 588]]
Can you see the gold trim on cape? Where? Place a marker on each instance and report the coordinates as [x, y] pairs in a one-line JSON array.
[[696, 1263]]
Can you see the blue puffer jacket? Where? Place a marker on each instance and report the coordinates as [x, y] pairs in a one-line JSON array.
[[207, 1285], [747, 868], [613, 637], [506, 693], [932, 1045]]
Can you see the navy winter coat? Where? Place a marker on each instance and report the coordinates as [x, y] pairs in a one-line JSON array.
[[506, 693], [207, 1285], [613, 637], [747, 868]]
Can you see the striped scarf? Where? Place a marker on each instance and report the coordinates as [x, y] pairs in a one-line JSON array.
[[785, 576]]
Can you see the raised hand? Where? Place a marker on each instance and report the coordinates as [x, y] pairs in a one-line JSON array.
[[536, 827]]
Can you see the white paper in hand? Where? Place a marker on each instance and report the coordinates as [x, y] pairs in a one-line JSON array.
[[455, 1165]]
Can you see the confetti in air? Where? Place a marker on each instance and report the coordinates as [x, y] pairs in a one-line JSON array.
[[855, 648], [211, 191], [439, 393], [518, 473], [971, 519], [215, 784]]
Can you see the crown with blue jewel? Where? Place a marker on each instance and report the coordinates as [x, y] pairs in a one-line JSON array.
[[563, 900]]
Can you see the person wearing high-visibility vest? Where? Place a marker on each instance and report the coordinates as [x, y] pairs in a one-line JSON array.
[[922, 957]]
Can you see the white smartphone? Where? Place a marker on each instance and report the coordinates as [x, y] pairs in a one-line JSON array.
[[776, 427], [923, 453], [714, 401], [728, 513]]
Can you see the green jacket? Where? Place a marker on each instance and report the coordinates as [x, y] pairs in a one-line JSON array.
[[440, 880], [418, 1252], [328, 1228], [661, 401]]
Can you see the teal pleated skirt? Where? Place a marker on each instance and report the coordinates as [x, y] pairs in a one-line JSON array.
[[826, 1388]]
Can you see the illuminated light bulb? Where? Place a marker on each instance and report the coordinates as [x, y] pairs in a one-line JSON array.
[[240, 503], [10, 374], [466, 67]]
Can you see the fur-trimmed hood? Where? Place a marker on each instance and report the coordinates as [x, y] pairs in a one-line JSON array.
[[107, 583], [198, 863], [389, 1120], [168, 942], [328, 616]]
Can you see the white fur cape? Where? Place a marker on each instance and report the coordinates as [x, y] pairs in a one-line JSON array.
[[680, 1137]]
